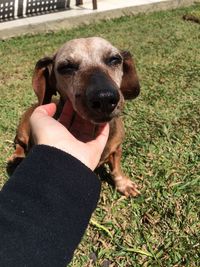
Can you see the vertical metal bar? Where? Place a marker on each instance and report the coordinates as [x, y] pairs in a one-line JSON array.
[[19, 7], [94, 2]]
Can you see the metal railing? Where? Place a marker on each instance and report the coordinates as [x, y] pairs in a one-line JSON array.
[[13, 9]]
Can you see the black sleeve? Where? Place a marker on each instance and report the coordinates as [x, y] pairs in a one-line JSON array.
[[45, 208]]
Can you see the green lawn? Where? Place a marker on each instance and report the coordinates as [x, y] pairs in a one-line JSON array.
[[162, 146]]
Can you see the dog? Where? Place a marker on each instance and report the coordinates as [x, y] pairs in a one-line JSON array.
[[97, 78]]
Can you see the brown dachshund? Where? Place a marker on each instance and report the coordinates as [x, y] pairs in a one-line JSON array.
[[96, 77]]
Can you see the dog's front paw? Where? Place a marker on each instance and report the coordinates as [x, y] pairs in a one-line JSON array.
[[125, 186]]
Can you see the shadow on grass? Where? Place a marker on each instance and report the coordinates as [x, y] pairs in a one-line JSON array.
[[12, 165], [104, 175]]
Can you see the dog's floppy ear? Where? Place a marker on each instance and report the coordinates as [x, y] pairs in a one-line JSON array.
[[130, 86], [44, 80]]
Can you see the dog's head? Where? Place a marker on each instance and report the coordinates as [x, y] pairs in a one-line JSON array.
[[94, 75]]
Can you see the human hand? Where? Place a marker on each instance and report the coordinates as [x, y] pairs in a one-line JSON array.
[[82, 139]]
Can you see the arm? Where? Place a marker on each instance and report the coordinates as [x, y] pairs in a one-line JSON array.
[[46, 205], [45, 208]]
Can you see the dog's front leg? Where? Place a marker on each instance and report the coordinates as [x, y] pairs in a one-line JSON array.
[[123, 183]]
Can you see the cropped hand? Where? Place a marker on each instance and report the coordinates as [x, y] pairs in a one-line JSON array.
[[72, 134]]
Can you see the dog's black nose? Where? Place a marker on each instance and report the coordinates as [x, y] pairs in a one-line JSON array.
[[103, 101]]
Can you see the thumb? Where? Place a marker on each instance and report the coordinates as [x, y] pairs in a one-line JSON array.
[[48, 109], [44, 110]]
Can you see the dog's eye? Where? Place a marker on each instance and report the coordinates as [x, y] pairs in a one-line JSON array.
[[67, 68], [114, 60]]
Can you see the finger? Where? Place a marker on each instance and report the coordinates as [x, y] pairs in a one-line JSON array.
[[102, 136], [48, 109], [102, 129], [67, 114], [41, 111], [82, 129]]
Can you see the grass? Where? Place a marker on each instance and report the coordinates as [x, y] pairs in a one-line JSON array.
[[161, 152]]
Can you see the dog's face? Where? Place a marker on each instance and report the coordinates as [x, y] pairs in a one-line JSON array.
[[94, 75], [89, 72]]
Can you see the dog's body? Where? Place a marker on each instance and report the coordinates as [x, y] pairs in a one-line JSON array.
[[96, 77]]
